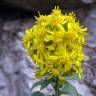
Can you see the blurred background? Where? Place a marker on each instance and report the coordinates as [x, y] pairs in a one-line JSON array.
[[16, 68]]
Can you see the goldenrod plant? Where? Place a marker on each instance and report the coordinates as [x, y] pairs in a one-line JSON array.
[[55, 45]]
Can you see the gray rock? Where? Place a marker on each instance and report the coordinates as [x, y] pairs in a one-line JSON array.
[[49, 90], [12, 25], [90, 21], [89, 1], [86, 58], [3, 80], [88, 74], [81, 88], [4, 92], [94, 82], [21, 87], [10, 67], [91, 40], [17, 75]]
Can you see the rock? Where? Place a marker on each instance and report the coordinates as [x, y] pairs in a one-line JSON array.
[[45, 5], [81, 88], [90, 49], [90, 22], [3, 80], [86, 58], [15, 72], [16, 68], [4, 92], [3, 84], [91, 40], [94, 82], [12, 25], [89, 1], [21, 87], [88, 72]]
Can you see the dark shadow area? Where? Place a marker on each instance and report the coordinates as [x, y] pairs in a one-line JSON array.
[[14, 12]]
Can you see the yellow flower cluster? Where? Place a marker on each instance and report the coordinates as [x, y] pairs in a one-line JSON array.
[[55, 45]]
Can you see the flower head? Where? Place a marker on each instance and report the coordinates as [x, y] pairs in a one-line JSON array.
[[55, 44]]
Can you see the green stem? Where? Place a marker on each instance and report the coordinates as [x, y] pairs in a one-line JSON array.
[[57, 88]]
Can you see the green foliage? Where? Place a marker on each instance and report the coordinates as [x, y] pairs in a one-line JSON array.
[[69, 89], [43, 83], [37, 94]]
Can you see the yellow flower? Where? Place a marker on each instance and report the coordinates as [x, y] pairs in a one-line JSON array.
[[55, 44]]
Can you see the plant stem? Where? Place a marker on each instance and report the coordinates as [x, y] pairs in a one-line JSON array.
[[57, 88]]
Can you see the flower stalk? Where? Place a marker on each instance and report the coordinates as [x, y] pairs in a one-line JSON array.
[[57, 87], [54, 44]]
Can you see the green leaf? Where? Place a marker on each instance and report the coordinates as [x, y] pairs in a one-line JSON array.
[[45, 83], [64, 93], [37, 94], [37, 84], [42, 83], [70, 89], [74, 77]]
